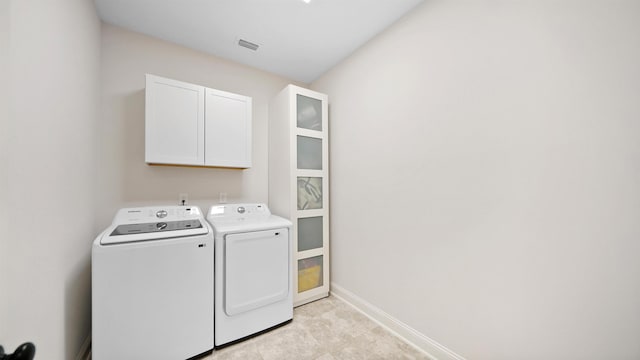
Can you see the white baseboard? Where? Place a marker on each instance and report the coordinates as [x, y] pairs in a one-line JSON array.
[[85, 349], [414, 338]]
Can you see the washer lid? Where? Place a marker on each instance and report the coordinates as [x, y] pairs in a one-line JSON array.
[[128, 229], [118, 234]]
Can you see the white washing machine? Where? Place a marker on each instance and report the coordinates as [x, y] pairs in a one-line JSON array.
[[253, 270], [152, 285]]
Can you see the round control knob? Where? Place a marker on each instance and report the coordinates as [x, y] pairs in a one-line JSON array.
[[161, 214], [241, 210], [161, 225]]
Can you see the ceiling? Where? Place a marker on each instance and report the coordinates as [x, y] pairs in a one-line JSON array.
[[297, 40]]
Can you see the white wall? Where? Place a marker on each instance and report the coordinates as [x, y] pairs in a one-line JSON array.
[[4, 138], [485, 176], [48, 172], [124, 178]]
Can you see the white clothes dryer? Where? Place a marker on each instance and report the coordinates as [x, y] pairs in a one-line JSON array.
[[152, 285], [253, 271]]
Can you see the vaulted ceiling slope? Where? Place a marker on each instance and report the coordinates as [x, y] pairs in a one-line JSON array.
[[296, 39]]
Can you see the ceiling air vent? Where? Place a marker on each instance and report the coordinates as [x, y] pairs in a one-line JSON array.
[[248, 45]]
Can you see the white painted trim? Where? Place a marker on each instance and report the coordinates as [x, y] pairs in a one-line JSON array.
[[311, 298], [85, 350], [411, 336]]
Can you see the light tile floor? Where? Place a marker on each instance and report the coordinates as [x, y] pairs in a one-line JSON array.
[[327, 329]]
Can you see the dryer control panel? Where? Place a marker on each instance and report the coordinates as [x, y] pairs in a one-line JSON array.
[[237, 211]]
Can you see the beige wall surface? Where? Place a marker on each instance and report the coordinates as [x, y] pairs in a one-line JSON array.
[[123, 177], [4, 158], [484, 175], [48, 172]]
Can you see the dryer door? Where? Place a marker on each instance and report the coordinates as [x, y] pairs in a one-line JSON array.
[[256, 269]]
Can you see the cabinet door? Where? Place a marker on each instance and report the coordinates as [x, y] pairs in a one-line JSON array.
[[227, 129], [174, 122]]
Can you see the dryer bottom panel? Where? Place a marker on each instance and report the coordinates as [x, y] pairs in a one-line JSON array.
[[257, 269], [253, 283]]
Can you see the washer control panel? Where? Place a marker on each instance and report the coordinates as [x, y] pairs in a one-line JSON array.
[[152, 213], [155, 222]]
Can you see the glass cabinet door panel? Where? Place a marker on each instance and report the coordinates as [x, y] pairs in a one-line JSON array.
[[309, 113], [309, 273], [309, 233], [309, 153], [309, 193]]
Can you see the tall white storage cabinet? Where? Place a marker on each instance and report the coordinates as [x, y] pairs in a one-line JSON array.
[[299, 183], [187, 124]]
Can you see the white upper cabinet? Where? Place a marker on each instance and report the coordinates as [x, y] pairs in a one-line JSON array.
[[187, 124], [227, 129], [174, 122]]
